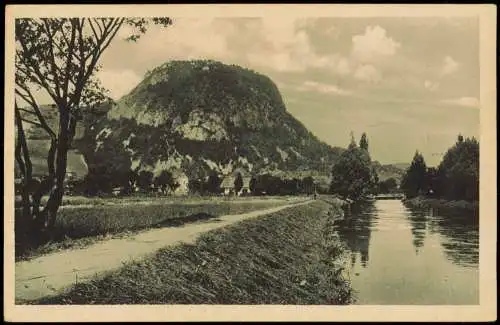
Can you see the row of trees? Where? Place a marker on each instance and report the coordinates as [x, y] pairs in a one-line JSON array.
[[145, 182], [353, 175], [264, 184], [125, 182], [455, 178]]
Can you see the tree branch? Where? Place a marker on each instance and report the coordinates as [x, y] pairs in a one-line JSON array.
[[23, 146], [69, 59], [93, 29], [41, 78], [51, 56], [31, 100], [31, 122]]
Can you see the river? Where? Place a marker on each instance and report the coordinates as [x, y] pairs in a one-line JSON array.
[[398, 255]]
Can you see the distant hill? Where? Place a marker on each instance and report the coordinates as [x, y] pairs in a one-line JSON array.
[[39, 142], [387, 171], [190, 117]]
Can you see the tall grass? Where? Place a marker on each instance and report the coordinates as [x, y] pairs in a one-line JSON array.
[[87, 222], [144, 198], [289, 257]]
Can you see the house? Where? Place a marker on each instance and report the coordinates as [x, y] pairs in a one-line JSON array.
[[227, 184], [183, 181]]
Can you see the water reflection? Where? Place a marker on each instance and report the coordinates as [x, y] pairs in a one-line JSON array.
[[418, 222], [355, 230], [403, 255], [458, 229]]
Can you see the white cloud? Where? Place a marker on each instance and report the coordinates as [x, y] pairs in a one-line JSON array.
[[373, 44], [367, 73], [343, 66], [322, 88], [431, 85], [186, 38], [284, 45], [449, 66], [118, 83], [463, 101]]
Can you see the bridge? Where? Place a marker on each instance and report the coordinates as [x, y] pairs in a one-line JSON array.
[[389, 196]]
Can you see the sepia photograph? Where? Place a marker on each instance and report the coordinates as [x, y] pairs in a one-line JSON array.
[[336, 159]]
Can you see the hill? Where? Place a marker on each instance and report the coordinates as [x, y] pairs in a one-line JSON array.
[[387, 171], [190, 117], [39, 142]]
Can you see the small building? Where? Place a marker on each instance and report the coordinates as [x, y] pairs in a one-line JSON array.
[[183, 183], [227, 185]]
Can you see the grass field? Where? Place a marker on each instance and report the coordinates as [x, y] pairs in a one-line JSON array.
[[289, 257], [149, 199], [79, 226]]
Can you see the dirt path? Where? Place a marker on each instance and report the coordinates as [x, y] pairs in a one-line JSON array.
[[50, 274]]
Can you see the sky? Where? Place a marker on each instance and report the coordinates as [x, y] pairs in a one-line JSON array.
[[410, 83]]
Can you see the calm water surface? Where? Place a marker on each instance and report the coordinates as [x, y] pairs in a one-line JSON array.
[[397, 255]]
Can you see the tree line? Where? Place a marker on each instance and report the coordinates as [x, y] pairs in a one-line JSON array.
[[455, 178], [133, 181]]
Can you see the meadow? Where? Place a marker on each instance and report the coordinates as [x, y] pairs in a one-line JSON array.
[[82, 221]]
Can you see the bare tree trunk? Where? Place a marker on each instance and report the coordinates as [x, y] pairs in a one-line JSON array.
[[24, 163], [67, 127]]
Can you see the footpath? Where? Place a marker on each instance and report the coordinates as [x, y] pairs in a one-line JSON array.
[[52, 273]]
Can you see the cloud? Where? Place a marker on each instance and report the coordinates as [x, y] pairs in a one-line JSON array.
[[431, 85], [187, 38], [373, 44], [284, 45], [449, 66], [118, 82], [463, 101], [322, 88], [367, 73]]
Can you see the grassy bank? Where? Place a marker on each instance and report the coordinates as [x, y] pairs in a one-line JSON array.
[[145, 198], [423, 202], [289, 257], [81, 226]]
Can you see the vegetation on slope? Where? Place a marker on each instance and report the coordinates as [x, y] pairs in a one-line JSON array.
[[289, 257], [198, 116]]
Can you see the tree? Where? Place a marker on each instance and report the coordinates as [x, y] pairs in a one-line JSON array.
[[363, 142], [388, 186], [59, 56], [164, 181], [145, 180], [374, 180], [238, 183], [252, 184], [432, 181], [352, 174], [414, 181], [352, 144], [308, 184], [195, 186], [213, 183], [458, 172]]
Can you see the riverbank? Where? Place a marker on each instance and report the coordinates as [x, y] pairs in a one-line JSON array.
[[288, 257], [423, 202]]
